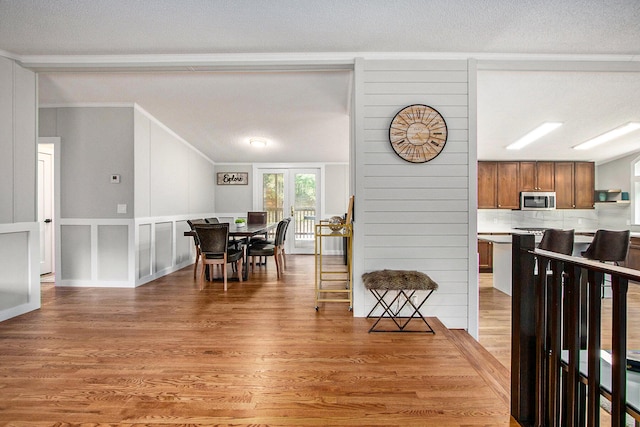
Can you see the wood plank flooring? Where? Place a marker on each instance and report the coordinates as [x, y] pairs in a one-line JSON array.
[[168, 354]]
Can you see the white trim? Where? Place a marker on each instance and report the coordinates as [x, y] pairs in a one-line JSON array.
[[9, 55], [89, 105], [357, 165], [279, 61], [633, 194], [473, 311]]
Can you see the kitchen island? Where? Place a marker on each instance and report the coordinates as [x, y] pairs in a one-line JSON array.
[[502, 256]]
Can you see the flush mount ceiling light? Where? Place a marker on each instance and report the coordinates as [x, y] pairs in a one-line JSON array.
[[605, 137], [258, 142], [535, 134]]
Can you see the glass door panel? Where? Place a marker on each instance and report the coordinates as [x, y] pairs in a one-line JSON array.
[[305, 209], [273, 195], [295, 193]]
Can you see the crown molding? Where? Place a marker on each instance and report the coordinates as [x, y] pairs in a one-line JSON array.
[[300, 61]]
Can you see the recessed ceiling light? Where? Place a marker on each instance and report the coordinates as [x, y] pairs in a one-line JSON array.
[[605, 137], [535, 134], [258, 142]]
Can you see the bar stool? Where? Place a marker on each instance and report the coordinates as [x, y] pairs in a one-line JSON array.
[[560, 241], [609, 246]]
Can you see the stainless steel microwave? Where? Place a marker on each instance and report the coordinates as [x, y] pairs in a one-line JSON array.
[[537, 200]]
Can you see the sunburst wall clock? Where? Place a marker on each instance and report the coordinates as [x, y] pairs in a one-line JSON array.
[[418, 133]]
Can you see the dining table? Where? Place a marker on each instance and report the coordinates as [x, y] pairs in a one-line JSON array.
[[244, 233]]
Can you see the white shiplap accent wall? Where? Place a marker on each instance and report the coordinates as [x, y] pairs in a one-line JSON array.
[[414, 216]]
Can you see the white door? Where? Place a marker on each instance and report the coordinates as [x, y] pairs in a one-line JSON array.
[[295, 193], [45, 206]]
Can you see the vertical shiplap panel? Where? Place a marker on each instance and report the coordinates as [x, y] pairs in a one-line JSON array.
[[416, 216]]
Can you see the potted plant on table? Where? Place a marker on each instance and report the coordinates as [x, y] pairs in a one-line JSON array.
[[241, 222]]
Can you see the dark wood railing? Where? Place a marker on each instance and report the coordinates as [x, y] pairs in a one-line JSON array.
[[556, 359]]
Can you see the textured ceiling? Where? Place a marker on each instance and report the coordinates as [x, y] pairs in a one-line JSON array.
[[305, 114], [64, 27]]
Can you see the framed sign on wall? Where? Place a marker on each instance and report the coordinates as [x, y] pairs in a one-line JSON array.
[[233, 178]]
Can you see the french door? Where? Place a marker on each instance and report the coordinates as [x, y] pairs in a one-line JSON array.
[[295, 193]]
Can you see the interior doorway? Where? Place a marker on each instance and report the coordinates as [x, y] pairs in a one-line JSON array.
[[295, 193], [46, 204]]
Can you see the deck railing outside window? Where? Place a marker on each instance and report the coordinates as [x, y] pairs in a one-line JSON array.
[[303, 218]]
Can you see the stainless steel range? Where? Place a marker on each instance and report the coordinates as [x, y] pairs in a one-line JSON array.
[[538, 231]]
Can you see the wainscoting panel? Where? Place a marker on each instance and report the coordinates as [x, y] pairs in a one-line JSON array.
[[163, 246], [75, 255], [20, 267], [113, 260]]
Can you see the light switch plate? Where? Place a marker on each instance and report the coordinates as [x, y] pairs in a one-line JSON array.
[[115, 179], [122, 209]]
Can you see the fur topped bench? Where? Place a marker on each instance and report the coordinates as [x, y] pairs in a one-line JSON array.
[[405, 283], [397, 280]]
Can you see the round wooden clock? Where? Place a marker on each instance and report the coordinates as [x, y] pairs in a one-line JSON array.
[[418, 133]]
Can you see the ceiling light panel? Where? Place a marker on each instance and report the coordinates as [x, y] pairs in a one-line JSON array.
[[534, 135], [611, 135]]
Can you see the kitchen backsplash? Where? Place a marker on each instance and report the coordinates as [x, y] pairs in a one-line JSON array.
[[607, 217]]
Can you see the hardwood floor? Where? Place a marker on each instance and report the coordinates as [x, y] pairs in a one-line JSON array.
[[168, 353]]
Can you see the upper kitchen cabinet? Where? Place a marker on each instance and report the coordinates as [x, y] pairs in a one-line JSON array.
[[507, 188], [498, 185], [564, 185], [487, 185], [537, 176], [574, 185], [585, 181]]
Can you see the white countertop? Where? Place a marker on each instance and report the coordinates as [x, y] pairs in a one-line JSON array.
[[506, 238], [510, 231]]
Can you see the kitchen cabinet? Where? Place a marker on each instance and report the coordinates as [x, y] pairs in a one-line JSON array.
[[585, 182], [564, 185], [574, 185], [507, 190], [500, 183], [537, 176], [487, 185], [485, 255]]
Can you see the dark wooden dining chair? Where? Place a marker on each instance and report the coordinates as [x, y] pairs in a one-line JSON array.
[[215, 250], [275, 250], [192, 223], [256, 218]]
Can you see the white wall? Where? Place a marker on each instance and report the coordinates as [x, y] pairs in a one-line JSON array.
[[174, 183], [616, 175], [414, 216], [163, 182], [336, 188], [19, 232], [234, 198]]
